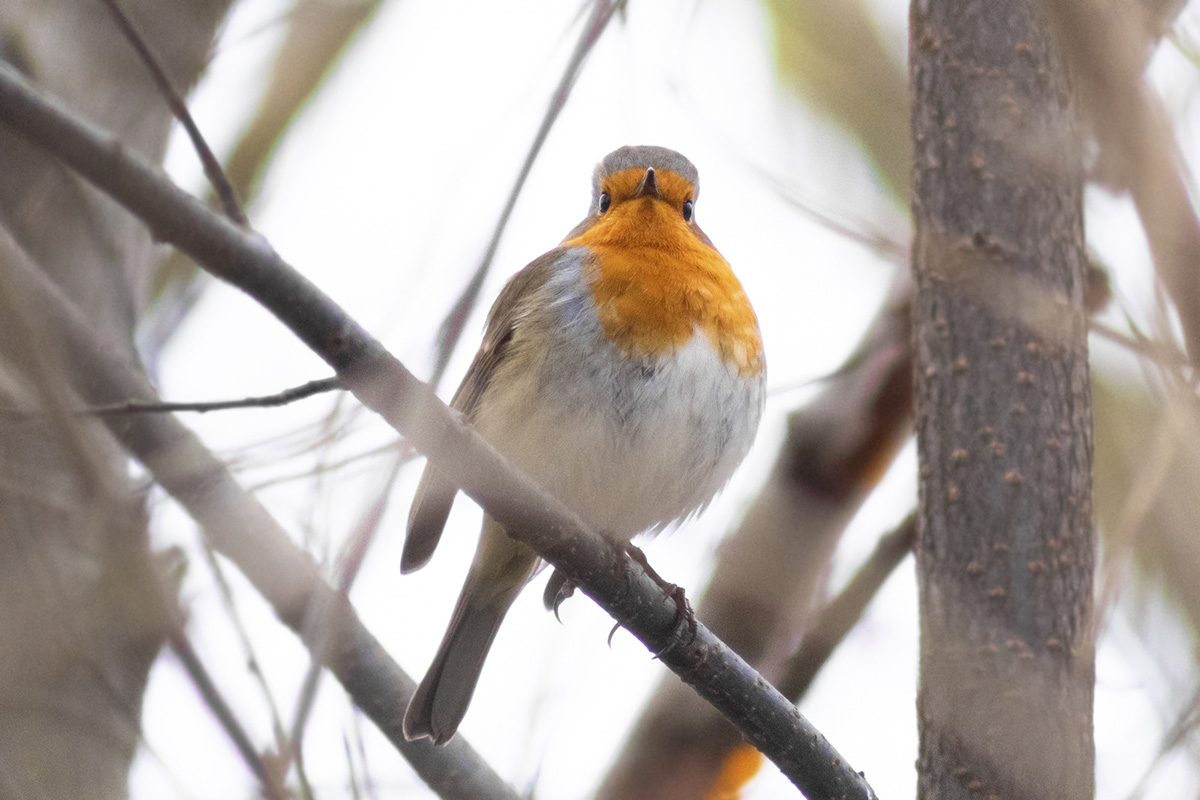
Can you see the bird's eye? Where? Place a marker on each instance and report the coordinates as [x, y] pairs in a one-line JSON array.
[[687, 211], [605, 202]]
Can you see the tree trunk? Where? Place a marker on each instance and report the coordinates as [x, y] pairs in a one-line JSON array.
[[83, 609], [1005, 554]]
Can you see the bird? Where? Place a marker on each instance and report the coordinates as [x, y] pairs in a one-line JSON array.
[[624, 372]]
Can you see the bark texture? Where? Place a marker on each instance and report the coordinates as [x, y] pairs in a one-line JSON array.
[[1005, 553]]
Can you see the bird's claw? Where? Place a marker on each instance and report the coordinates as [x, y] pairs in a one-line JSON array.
[[685, 618]]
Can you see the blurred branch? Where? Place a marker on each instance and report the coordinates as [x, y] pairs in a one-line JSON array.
[[1185, 725], [212, 167], [382, 383], [182, 647], [452, 327], [349, 562], [835, 621], [1166, 551], [838, 617], [858, 231], [398, 449], [1105, 46], [250, 656], [831, 54], [318, 33], [1162, 353], [243, 531], [768, 573], [1147, 492]]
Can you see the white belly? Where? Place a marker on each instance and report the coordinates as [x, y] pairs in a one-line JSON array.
[[628, 444]]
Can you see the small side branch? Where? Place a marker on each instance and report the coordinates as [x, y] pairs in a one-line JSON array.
[[181, 646], [212, 167], [843, 613], [263, 401]]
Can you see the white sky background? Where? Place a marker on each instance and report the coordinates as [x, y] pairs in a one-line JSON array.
[[385, 195]]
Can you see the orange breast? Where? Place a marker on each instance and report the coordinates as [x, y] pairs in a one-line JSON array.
[[656, 281]]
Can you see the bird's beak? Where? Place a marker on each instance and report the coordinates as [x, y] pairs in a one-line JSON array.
[[648, 186]]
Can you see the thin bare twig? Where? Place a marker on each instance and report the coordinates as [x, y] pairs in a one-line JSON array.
[[253, 664], [318, 32], [283, 398], [369, 787], [355, 793], [858, 231], [401, 449], [382, 383], [1185, 724], [212, 167], [452, 327], [264, 401], [349, 562], [1159, 352], [181, 646]]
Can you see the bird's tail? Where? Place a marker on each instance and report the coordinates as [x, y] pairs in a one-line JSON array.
[[501, 567]]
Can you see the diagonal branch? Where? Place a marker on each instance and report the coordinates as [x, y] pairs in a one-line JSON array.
[[382, 383], [202, 680], [212, 167], [347, 567], [242, 530], [838, 618]]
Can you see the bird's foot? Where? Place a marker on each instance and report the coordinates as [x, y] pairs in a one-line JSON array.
[[685, 619]]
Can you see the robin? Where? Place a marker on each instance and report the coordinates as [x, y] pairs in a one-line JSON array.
[[623, 370]]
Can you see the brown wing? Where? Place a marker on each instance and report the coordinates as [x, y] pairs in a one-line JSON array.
[[435, 494]]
